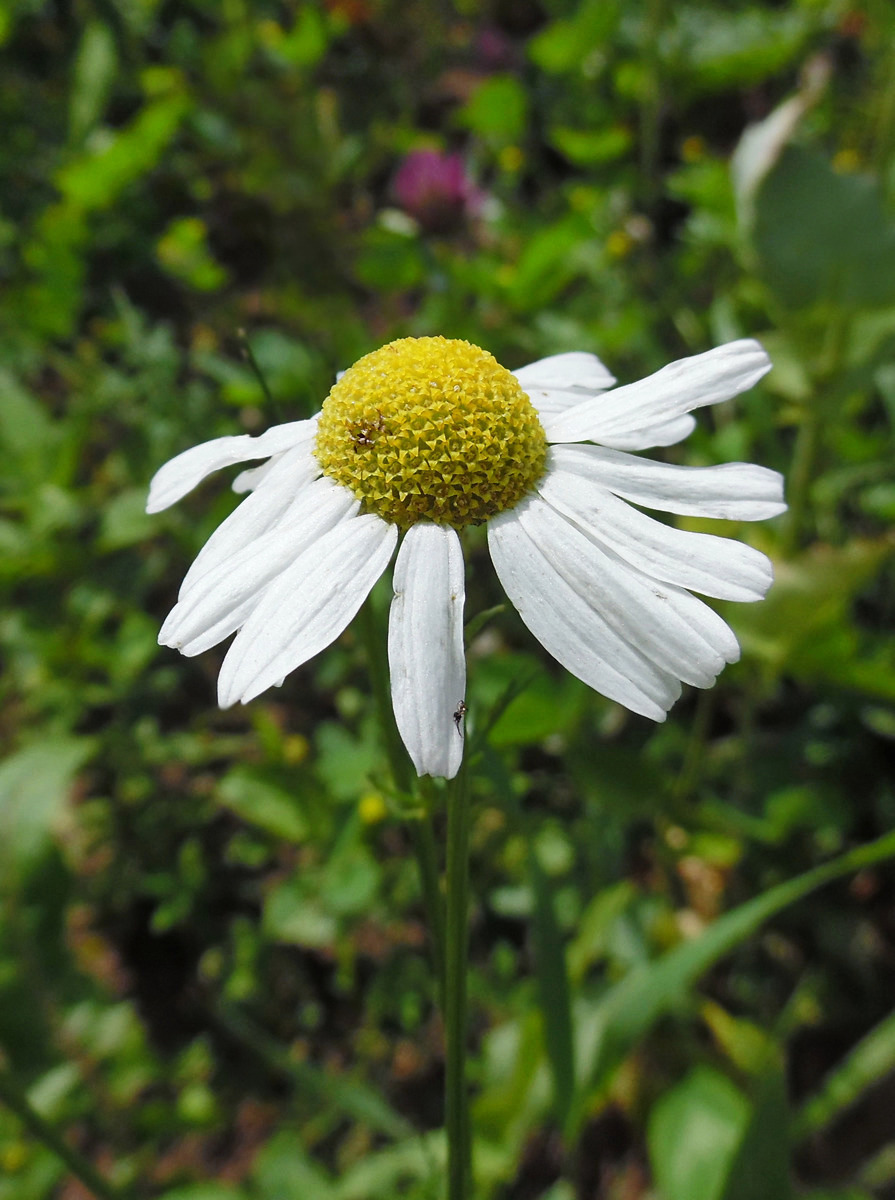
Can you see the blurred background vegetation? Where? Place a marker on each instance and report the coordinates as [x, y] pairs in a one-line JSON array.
[[213, 963]]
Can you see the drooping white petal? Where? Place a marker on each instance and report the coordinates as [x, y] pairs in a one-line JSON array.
[[732, 491], [260, 512], [307, 606], [223, 598], [576, 634], [678, 388], [715, 566], [664, 433], [425, 647], [181, 474], [667, 625]]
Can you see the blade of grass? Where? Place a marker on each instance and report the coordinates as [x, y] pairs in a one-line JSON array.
[[868, 1061], [626, 1013], [554, 999]]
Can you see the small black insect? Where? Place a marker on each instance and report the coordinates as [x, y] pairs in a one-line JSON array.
[[459, 714]]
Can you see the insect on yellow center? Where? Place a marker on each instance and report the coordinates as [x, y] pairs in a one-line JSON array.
[[431, 429]]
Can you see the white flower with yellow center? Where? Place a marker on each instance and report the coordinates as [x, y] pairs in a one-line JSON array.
[[428, 435]]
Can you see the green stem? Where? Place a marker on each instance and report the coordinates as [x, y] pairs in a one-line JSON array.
[[456, 969], [84, 1171]]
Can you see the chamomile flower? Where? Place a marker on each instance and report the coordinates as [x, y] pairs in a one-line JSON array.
[[428, 435]]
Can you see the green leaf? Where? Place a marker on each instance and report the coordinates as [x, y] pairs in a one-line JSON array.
[[124, 520], [94, 181], [95, 68], [693, 1134], [820, 236], [285, 1170], [262, 803], [497, 110], [864, 1065], [567, 44], [292, 915], [554, 998], [806, 621], [760, 1166], [626, 1013], [34, 788], [586, 147]]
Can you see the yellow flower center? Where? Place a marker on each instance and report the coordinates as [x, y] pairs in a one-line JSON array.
[[431, 429]]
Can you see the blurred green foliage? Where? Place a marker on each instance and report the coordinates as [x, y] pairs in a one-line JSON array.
[[213, 963]]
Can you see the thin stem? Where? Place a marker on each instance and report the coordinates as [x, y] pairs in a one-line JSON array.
[[249, 355], [80, 1167], [456, 970]]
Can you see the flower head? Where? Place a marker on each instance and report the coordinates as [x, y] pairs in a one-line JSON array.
[[427, 435]]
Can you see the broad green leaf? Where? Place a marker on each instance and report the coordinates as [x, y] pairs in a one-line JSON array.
[[693, 1134], [573, 43], [293, 915], [709, 48], [586, 147], [34, 788], [626, 1013], [805, 622], [820, 236], [262, 803], [498, 110], [284, 1169]]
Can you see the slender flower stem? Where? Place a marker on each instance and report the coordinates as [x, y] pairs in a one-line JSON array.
[[456, 969], [80, 1167]]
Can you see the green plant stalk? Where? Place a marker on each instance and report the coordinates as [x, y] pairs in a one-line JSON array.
[[455, 1007], [78, 1165], [421, 832]]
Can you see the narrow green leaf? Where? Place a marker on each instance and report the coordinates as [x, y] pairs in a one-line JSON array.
[[868, 1061], [760, 1166], [554, 999], [626, 1013]]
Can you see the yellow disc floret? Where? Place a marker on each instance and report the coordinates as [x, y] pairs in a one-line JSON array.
[[431, 429]]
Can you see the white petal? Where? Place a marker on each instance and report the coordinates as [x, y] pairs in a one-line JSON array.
[[425, 648], [260, 512], [223, 598], [577, 370], [678, 388], [569, 628], [715, 566], [247, 481], [307, 607], [733, 491], [671, 628], [664, 433], [181, 474], [563, 380]]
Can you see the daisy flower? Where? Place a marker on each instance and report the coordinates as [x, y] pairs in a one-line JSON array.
[[427, 435]]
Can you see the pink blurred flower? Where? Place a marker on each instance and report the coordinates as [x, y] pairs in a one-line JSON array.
[[436, 190]]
